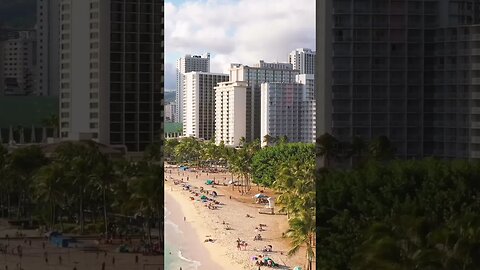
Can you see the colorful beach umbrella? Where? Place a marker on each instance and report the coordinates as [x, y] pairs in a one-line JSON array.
[[260, 195]]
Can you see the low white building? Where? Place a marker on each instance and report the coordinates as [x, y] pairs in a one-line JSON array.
[[231, 112], [199, 103]]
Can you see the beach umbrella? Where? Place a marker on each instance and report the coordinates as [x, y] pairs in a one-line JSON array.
[[260, 195], [297, 268], [203, 197]]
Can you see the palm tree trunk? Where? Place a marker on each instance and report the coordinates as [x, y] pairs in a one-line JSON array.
[[149, 232], [19, 203], [81, 217], [8, 205], [105, 221], [160, 225], [52, 213]]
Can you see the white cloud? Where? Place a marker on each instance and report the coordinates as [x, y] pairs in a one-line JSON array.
[[241, 31]]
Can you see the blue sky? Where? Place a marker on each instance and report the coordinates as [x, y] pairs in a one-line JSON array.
[[236, 31]]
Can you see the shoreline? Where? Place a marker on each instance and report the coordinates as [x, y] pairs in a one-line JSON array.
[[193, 230], [237, 217]]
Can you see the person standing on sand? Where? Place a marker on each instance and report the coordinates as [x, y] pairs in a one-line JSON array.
[[184, 218], [136, 258], [113, 260], [103, 266]]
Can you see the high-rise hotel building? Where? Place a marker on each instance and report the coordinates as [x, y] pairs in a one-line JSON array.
[[288, 109], [254, 76], [199, 103], [188, 63], [111, 55], [18, 64], [303, 60], [231, 112], [48, 47], [406, 69]]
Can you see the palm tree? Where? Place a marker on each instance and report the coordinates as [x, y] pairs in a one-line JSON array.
[[267, 139], [242, 141], [103, 177], [327, 148], [153, 152], [49, 187], [296, 182], [148, 190], [302, 233], [283, 139], [357, 149], [24, 162], [52, 122], [5, 180], [381, 149]]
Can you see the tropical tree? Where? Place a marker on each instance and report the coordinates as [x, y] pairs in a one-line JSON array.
[[283, 139], [358, 149], [153, 152], [328, 149], [147, 195], [50, 188], [52, 122], [267, 139], [242, 141], [23, 164], [302, 234], [381, 149], [296, 184]]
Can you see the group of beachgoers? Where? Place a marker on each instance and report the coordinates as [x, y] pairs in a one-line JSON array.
[[211, 203], [261, 260], [241, 244]]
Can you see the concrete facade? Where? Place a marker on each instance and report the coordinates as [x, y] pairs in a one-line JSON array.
[[199, 103], [111, 78], [303, 59], [255, 76], [404, 69], [231, 112], [18, 64], [188, 63], [48, 47]]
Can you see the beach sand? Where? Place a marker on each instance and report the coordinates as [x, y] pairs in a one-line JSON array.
[[209, 223], [33, 255]]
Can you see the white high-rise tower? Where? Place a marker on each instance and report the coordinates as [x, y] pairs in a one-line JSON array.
[[303, 60], [48, 47], [189, 63]]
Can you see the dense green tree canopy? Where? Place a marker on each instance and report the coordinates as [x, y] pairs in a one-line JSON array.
[[399, 215], [267, 161]]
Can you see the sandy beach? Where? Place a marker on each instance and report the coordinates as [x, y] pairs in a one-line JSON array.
[[39, 254], [230, 222]]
